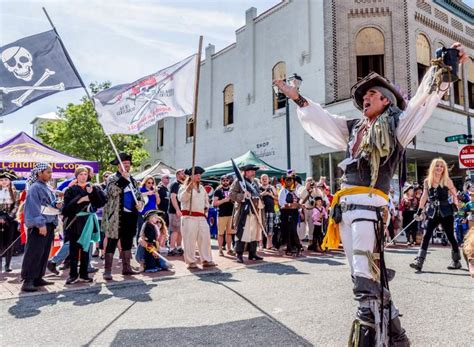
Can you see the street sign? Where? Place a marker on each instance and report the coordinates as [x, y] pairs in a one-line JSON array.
[[465, 141], [454, 138], [466, 157]]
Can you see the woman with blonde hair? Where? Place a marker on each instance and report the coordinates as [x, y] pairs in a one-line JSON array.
[[437, 189]]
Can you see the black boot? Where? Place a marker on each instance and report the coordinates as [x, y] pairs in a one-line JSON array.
[[8, 260], [398, 337], [239, 257], [419, 260], [254, 256], [28, 286], [455, 264]]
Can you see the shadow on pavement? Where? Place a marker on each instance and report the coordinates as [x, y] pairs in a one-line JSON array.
[[260, 331], [325, 260], [136, 291], [30, 306], [217, 276], [278, 269]]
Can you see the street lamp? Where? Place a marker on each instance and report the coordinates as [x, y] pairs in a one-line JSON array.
[[294, 81]]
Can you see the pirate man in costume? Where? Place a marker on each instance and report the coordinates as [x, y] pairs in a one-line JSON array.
[[8, 224], [247, 220], [120, 215], [374, 145]]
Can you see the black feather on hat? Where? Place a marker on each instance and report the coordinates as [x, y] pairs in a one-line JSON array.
[[123, 157], [10, 174]]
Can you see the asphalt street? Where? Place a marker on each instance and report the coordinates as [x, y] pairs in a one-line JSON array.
[[303, 302]]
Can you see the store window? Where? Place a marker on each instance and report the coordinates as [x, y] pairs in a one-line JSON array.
[[370, 51], [423, 55], [229, 105]]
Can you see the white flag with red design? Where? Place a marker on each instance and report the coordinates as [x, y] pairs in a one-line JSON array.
[[131, 108]]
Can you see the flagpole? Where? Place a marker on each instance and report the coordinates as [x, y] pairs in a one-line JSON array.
[[66, 53], [68, 57], [195, 114]]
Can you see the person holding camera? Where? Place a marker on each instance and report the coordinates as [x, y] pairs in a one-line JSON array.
[[374, 146], [308, 196], [81, 202], [268, 194]]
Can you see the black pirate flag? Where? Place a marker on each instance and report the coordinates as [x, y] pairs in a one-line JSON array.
[[31, 69]]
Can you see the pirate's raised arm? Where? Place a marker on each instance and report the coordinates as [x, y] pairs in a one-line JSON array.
[[421, 106], [326, 128]]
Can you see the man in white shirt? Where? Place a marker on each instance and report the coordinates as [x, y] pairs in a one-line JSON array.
[[194, 227], [374, 146]]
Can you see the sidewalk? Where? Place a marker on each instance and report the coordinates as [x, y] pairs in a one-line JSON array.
[[10, 283]]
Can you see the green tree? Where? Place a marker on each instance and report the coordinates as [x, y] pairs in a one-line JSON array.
[[79, 134]]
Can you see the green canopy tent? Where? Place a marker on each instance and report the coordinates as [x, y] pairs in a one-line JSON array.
[[215, 171]]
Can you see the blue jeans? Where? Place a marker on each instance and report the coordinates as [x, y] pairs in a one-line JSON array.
[[64, 252]]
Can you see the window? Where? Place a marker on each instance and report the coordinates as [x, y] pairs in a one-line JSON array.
[[370, 50], [189, 129], [229, 105], [470, 82], [423, 55], [458, 92], [279, 73], [160, 132]]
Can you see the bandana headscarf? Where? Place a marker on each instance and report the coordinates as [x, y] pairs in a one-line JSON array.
[[36, 170]]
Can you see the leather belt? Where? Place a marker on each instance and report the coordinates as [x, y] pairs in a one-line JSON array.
[[192, 214], [351, 207]]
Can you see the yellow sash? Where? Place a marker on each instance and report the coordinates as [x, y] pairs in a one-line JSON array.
[[333, 238]]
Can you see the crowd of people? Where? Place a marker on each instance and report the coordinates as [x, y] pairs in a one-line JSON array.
[[170, 219]]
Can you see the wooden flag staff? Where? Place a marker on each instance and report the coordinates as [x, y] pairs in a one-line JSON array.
[[195, 113]]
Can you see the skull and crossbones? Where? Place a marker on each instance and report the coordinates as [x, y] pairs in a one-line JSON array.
[[19, 61]]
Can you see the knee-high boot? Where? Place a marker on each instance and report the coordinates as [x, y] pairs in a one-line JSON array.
[[109, 258], [126, 267]]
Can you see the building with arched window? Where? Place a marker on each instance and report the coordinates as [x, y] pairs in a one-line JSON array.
[[331, 44]]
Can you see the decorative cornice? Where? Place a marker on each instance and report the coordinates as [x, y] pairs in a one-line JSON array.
[[443, 30], [458, 8], [369, 12]]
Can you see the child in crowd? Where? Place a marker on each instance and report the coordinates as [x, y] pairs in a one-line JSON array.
[[460, 219], [320, 215], [153, 235]]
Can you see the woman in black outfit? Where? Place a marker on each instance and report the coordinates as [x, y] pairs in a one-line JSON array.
[[437, 190], [81, 202]]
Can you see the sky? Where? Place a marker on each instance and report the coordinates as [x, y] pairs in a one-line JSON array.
[[118, 40]]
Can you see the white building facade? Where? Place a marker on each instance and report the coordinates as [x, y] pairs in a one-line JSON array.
[[330, 44]]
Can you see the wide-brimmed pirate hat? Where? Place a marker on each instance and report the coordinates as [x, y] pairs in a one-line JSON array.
[[249, 167], [10, 174], [123, 157], [150, 213], [197, 171], [374, 81]]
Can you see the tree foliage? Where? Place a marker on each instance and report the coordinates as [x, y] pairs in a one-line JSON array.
[[79, 134]]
